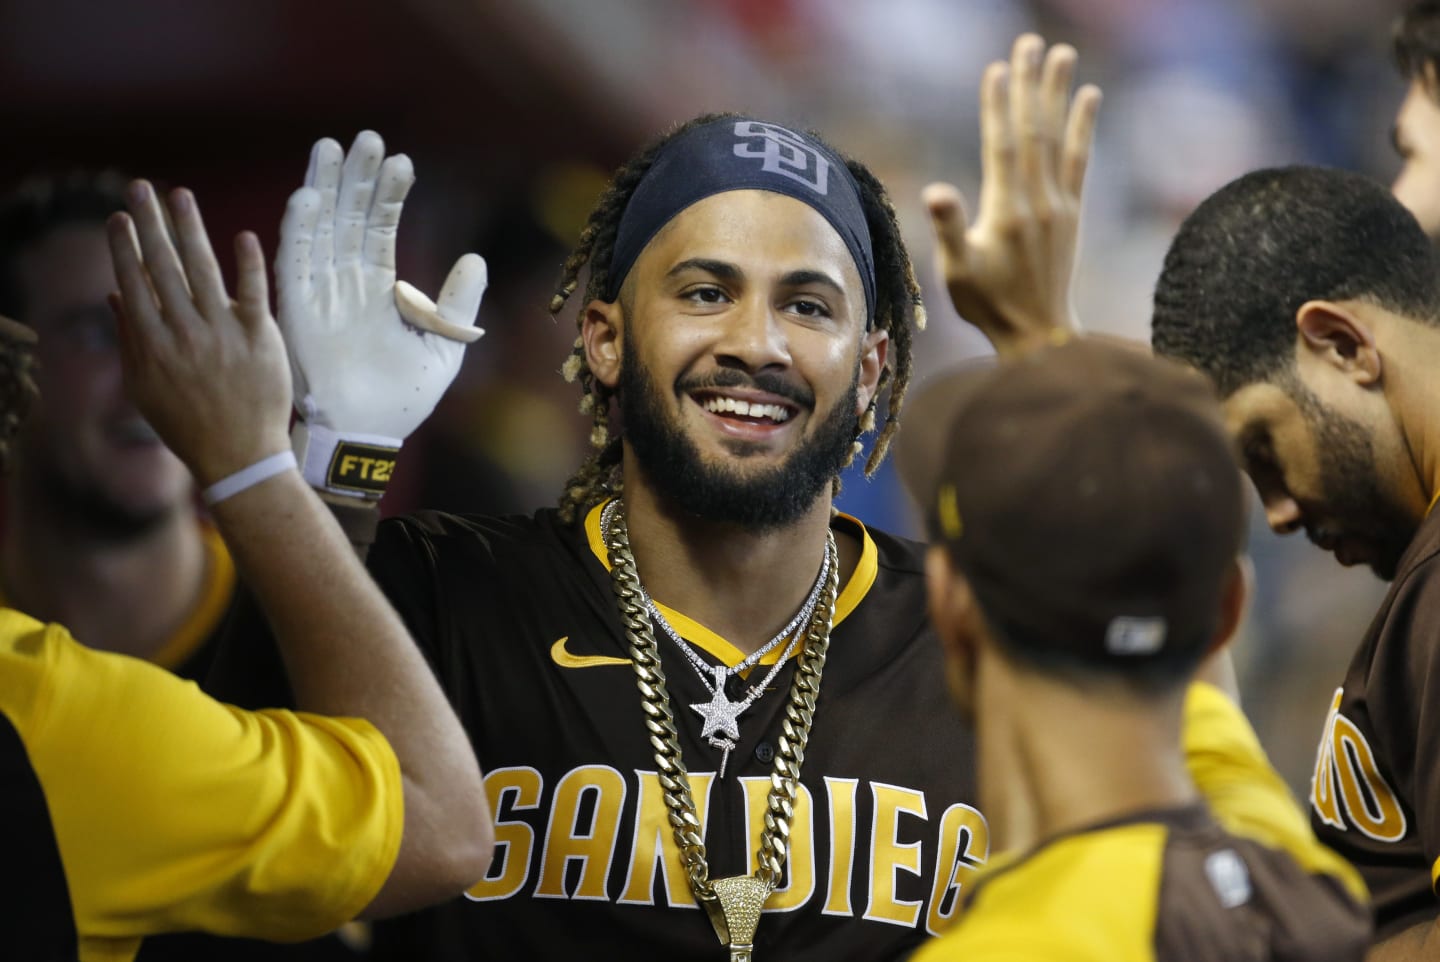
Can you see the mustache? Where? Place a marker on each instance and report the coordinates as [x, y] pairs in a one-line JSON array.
[[767, 381]]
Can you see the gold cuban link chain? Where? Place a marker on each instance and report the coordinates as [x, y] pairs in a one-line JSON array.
[[733, 904]]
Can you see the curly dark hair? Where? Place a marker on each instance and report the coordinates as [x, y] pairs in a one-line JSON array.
[[28, 213], [41, 205], [1416, 43], [1255, 251], [898, 310]]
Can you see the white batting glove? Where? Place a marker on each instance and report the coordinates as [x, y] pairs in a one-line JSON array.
[[370, 356]]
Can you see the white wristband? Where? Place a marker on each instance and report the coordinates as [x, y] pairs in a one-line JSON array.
[[351, 464], [248, 477]]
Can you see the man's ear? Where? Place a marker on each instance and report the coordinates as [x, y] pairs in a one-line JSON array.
[[1218, 667], [1234, 600], [874, 350], [601, 331], [952, 603], [1339, 337]]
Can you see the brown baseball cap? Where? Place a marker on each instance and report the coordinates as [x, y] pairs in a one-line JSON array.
[[1087, 491]]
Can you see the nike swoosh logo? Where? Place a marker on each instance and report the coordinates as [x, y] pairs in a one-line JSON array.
[[564, 659]]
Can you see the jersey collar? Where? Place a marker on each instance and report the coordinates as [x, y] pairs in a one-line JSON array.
[[853, 592]]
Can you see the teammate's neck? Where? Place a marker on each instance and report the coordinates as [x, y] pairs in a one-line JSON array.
[[1054, 758], [128, 595], [743, 585]]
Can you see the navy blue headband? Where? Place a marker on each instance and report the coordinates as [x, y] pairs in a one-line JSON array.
[[733, 154]]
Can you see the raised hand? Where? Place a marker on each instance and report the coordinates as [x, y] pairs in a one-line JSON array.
[[371, 356], [1009, 274], [208, 373]]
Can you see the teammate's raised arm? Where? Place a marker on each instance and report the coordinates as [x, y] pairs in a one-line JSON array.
[[211, 375], [1009, 273]]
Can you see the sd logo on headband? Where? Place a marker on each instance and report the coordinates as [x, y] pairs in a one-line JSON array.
[[784, 153], [720, 155]]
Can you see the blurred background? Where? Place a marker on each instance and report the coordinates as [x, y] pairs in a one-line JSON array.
[[514, 111]]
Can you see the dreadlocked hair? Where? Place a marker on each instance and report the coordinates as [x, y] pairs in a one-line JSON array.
[[17, 385], [898, 310]]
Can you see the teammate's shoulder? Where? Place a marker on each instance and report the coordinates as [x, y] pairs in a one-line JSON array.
[[986, 943], [1058, 874], [15, 623], [26, 638], [33, 656], [1031, 907]]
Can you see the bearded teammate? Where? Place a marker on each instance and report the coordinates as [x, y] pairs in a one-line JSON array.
[[1087, 515], [696, 690], [1325, 359], [133, 804]]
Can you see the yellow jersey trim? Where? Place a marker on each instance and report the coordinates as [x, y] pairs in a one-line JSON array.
[[867, 569], [214, 600]]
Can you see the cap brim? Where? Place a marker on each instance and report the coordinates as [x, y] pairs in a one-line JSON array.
[[925, 427]]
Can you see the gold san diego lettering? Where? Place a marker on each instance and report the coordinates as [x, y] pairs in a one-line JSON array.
[[510, 790], [964, 847], [889, 855], [575, 855]]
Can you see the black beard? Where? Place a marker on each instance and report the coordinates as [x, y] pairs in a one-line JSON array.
[[1353, 500], [756, 501]]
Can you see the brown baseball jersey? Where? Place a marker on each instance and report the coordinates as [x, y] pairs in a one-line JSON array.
[[520, 622], [1167, 885], [1375, 795], [1239, 877]]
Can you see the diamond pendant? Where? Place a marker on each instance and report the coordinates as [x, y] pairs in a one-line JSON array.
[[720, 713], [734, 911]]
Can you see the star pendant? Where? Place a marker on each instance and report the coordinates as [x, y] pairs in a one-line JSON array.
[[720, 714]]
